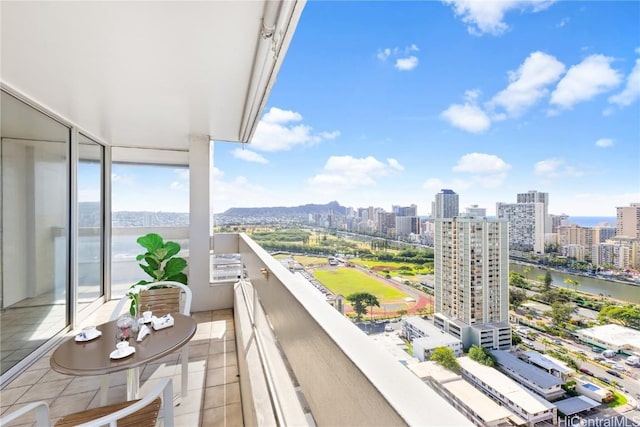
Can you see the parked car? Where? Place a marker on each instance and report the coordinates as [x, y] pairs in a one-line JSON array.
[[605, 380], [596, 350], [586, 371], [598, 358], [614, 373]]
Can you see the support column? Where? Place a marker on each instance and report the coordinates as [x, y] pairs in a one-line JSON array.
[[200, 221]]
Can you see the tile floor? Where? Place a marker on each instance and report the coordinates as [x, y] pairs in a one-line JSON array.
[[214, 388]]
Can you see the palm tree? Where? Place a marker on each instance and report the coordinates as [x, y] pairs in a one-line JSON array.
[[572, 282], [371, 300]]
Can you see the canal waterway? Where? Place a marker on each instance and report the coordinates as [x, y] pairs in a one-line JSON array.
[[592, 285]]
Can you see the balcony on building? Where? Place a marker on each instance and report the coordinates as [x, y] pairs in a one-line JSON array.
[[93, 85]]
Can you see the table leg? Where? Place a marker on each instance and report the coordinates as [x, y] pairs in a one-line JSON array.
[[104, 389], [133, 383]]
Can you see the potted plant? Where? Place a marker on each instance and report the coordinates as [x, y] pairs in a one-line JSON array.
[[162, 264]]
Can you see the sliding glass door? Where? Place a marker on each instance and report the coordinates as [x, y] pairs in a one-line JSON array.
[[35, 218]]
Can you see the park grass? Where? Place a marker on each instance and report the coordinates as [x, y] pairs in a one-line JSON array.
[[309, 261], [346, 281], [392, 266]]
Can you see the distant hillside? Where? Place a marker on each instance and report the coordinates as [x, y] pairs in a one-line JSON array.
[[282, 211]]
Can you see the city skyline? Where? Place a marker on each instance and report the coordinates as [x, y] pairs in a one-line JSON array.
[[388, 103]]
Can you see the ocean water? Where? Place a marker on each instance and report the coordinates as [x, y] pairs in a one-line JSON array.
[[592, 221]]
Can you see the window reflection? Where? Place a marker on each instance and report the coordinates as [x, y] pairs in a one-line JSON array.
[[90, 220], [35, 221]]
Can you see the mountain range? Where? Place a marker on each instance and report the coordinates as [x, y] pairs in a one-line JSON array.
[[283, 211]]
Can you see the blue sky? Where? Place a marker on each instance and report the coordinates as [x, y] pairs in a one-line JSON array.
[[385, 103]]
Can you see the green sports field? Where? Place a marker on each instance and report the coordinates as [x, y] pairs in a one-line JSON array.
[[346, 281]]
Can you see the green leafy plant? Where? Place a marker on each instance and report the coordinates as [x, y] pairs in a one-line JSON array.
[[160, 263]]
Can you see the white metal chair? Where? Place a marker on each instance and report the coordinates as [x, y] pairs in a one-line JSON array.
[[160, 303], [135, 413]]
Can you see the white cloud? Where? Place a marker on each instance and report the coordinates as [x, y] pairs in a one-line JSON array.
[[555, 168], [175, 185], [487, 170], [276, 115], [248, 156], [528, 83], [383, 54], [563, 22], [231, 193], [631, 92], [604, 142], [468, 117], [585, 80], [278, 130], [405, 61], [350, 172], [394, 164], [488, 16], [406, 64], [481, 163]]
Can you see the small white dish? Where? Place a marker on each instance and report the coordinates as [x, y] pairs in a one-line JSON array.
[[117, 354], [88, 335]]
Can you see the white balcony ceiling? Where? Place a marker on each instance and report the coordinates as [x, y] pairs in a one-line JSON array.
[[148, 73]]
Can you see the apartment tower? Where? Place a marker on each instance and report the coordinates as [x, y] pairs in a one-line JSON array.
[[628, 221], [472, 280], [533, 196], [526, 225], [446, 204]]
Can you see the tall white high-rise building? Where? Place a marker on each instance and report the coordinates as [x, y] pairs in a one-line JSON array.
[[533, 196], [474, 210], [471, 263], [628, 221], [526, 225], [446, 204]]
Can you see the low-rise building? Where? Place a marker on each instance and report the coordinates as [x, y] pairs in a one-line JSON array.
[[613, 337], [507, 392], [493, 336], [470, 401], [550, 364], [535, 379], [425, 337]]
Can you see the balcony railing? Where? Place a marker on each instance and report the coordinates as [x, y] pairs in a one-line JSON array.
[[302, 362]]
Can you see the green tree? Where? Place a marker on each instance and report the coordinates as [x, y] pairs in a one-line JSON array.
[[481, 355], [561, 312], [360, 300], [627, 315], [516, 298], [515, 339], [526, 272], [572, 282], [446, 358], [516, 279], [546, 281], [372, 301]]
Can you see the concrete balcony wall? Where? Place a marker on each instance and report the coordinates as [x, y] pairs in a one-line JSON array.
[[344, 377]]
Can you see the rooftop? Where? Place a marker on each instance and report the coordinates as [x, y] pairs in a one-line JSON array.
[[527, 371], [506, 386]]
